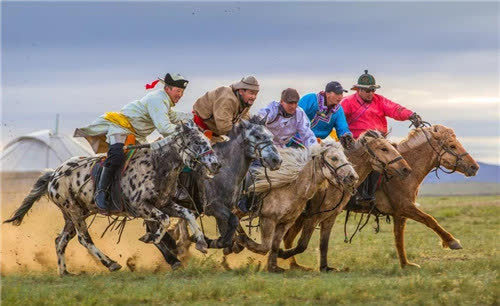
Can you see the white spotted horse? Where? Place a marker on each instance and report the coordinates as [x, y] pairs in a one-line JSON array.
[[147, 184]]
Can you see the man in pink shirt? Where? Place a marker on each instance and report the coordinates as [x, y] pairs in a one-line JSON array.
[[366, 110]]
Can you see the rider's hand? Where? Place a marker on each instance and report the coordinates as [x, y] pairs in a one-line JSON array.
[[347, 141], [416, 120]]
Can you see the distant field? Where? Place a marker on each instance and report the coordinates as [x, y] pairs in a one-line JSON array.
[[460, 189], [468, 276]]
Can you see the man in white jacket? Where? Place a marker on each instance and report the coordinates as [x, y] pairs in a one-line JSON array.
[[139, 118]]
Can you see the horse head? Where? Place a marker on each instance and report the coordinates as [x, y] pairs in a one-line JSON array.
[[384, 157], [451, 153], [335, 165], [259, 142], [195, 149]]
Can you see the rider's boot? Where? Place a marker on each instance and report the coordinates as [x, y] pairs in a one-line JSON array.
[[115, 160], [366, 191]]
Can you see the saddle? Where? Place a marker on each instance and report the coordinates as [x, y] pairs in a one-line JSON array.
[[116, 199]]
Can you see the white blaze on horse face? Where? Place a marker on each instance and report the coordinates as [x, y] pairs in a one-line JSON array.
[[346, 174]]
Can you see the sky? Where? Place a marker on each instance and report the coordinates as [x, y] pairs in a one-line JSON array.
[[81, 59]]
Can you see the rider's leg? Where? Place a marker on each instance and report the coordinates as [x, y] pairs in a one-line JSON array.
[[114, 161], [366, 191]]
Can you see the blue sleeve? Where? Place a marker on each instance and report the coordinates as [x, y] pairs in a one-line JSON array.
[[309, 104], [341, 126]]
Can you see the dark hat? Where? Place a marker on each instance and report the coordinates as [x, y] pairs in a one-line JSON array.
[[335, 87], [175, 80], [366, 80], [290, 95]]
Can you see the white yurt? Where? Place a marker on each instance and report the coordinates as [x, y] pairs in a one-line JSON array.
[[24, 158]]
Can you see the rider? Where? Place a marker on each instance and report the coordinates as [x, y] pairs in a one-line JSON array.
[[326, 113], [218, 110], [284, 119], [139, 118], [366, 110]]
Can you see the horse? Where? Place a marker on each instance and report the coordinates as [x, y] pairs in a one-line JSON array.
[[424, 149], [248, 141], [372, 152], [147, 184], [303, 173]]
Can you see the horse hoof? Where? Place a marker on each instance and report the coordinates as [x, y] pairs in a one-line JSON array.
[[275, 269], [114, 267], [411, 265], [455, 245], [176, 266], [147, 238], [328, 269], [227, 251], [296, 266], [66, 273], [237, 248], [202, 246]]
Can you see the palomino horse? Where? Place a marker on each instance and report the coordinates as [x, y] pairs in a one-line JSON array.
[[423, 149], [249, 141], [147, 185], [371, 153], [303, 173]]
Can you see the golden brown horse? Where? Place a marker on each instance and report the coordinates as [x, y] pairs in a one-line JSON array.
[[424, 149]]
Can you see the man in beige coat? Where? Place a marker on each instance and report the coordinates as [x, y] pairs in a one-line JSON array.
[[218, 110]]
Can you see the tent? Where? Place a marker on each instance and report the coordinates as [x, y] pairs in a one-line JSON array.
[[22, 159]]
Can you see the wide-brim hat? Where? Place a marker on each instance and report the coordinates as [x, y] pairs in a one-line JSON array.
[[367, 81], [175, 80], [249, 82]]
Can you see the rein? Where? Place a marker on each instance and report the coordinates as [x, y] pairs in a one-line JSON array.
[[381, 163]]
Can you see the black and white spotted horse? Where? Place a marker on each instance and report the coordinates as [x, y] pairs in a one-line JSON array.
[[147, 184]]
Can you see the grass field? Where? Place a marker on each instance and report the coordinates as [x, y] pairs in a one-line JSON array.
[[468, 276]]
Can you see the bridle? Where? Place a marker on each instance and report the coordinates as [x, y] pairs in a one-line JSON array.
[[443, 150], [382, 164], [193, 156], [333, 170]]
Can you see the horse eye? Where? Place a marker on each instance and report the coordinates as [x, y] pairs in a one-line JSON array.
[[385, 149], [334, 158], [453, 147]]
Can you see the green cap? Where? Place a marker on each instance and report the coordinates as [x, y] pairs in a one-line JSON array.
[[366, 80]]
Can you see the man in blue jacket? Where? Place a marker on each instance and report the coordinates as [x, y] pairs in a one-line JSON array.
[[325, 112]]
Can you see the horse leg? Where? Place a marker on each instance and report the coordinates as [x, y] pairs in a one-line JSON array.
[[399, 237], [288, 241], [85, 240], [176, 210], [324, 238], [150, 213], [267, 227], [62, 240], [305, 237], [227, 223], [412, 212], [272, 260], [167, 243]]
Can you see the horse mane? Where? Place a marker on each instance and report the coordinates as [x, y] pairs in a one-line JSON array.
[[365, 137], [294, 160]]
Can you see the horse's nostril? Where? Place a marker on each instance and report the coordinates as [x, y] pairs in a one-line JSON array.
[[473, 167], [406, 170]]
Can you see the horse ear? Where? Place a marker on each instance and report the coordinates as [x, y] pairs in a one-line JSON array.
[[363, 140], [190, 124]]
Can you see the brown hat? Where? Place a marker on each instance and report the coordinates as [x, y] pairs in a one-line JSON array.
[[290, 95], [249, 82]]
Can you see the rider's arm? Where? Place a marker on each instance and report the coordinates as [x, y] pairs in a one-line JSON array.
[[304, 129], [223, 116], [309, 104], [159, 113], [270, 111], [340, 123], [394, 110]]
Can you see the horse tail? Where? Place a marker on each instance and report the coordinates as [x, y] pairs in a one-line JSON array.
[[38, 190]]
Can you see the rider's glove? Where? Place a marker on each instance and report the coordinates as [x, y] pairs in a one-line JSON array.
[[347, 141], [416, 120]]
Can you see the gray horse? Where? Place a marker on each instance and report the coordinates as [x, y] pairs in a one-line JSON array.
[[249, 141], [147, 185]]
